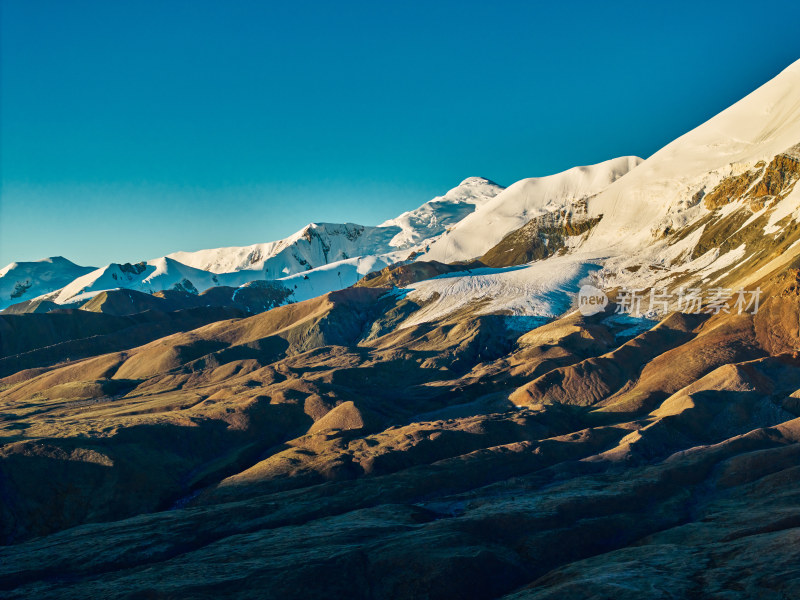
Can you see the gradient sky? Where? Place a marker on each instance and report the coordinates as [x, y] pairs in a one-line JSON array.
[[131, 129]]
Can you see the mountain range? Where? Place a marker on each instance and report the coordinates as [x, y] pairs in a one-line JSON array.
[[321, 257], [426, 408]]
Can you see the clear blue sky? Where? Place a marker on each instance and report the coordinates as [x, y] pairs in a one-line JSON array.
[[131, 129]]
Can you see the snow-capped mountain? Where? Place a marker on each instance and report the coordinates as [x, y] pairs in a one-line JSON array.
[[151, 276], [319, 258], [321, 244], [521, 202], [664, 192], [22, 281], [719, 202], [717, 205], [717, 208], [434, 217], [315, 245]]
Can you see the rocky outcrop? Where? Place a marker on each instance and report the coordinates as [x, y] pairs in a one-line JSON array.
[[541, 237], [760, 185]]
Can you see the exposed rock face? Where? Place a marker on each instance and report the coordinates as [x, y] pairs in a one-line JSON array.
[[732, 188], [780, 175], [761, 186], [541, 237]]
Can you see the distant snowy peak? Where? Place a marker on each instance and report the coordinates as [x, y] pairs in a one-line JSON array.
[[151, 276], [315, 245], [476, 190], [22, 281], [434, 217], [316, 259], [46, 266], [234, 258], [320, 244]]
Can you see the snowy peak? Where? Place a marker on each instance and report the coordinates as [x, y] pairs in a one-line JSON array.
[[22, 281], [514, 207], [315, 245], [318, 258], [149, 277], [319, 244], [659, 194], [54, 262], [325, 243], [434, 217], [473, 190], [718, 208], [477, 181]]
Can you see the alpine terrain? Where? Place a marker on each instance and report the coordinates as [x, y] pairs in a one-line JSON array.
[[583, 385]]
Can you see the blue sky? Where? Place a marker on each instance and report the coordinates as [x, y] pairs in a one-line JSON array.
[[131, 129]]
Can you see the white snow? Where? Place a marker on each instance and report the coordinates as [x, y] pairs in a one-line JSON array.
[[434, 217], [542, 289], [320, 244], [521, 202], [152, 276], [638, 205], [763, 124], [27, 280], [315, 245], [334, 276]]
